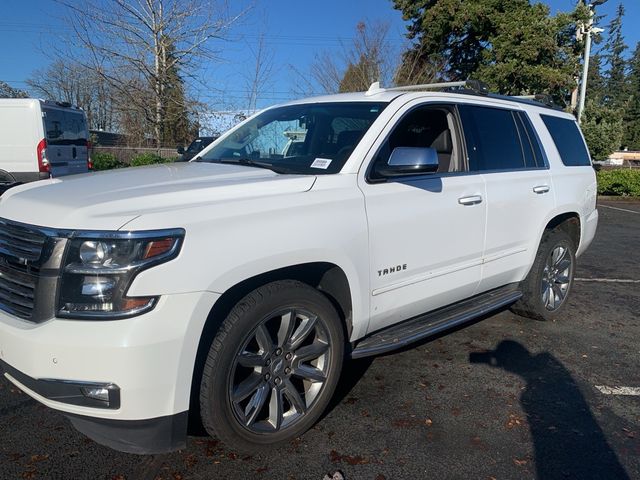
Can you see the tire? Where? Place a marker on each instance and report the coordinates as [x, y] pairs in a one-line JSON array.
[[549, 283], [272, 367], [6, 178]]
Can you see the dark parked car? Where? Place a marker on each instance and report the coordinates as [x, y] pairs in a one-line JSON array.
[[196, 147]]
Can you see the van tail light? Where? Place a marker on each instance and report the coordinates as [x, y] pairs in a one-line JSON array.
[[43, 162], [89, 161]]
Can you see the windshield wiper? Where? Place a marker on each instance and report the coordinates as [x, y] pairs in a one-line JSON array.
[[251, 163]]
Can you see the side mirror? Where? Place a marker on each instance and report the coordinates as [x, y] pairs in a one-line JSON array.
[[410, 161], [180, 150]]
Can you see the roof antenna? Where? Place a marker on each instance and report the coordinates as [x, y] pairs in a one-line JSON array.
[[374, 89]]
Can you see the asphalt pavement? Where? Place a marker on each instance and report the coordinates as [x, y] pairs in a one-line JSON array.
[[504, 398]]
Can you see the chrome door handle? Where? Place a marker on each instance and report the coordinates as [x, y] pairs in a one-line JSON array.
[[541, 189], [472, 200]]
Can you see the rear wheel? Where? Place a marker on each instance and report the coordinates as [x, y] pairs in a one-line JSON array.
[[272, 367], [546, 288]]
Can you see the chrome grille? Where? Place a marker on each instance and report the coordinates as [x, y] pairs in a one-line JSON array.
[[20, 242], [20, 253]]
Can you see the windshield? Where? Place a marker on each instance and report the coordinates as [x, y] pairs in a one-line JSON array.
[[312, 138]]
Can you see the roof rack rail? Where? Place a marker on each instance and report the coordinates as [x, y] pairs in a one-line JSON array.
[[543, 98], [476, 86], [470, 86]]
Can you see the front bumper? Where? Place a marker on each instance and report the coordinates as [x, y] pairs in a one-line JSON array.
[[149, 359]]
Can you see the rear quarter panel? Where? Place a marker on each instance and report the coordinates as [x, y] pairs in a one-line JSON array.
[[575, 187]]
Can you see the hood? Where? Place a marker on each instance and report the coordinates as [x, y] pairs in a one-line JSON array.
[[108, 200]]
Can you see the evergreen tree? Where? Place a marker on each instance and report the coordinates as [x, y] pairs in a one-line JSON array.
[[7, 91], [632, 113], [513, 45], [602, 127], [614, 48], [177, 128], [595, 80], [359, 76]]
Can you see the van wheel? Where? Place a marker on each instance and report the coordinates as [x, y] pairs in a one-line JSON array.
[[272, 367], [546, 288]]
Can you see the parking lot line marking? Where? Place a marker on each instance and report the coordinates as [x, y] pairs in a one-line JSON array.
[[632, 391], [607, 280], [621, 209]]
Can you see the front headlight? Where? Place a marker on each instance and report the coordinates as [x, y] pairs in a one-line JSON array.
[[99, 268]]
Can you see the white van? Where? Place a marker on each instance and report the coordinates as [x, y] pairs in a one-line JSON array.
[[41, 139]]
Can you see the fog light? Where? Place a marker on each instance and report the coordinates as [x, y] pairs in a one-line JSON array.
[[97, 393], [89, 307], [98, 287]]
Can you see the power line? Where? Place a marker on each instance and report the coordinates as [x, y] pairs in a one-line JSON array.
[[276, 39]]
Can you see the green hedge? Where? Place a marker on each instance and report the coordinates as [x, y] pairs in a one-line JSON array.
[[105, 161], [148, 159], [622, 182], [108, 161]]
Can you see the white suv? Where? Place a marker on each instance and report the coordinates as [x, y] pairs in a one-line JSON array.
[[233, 288]]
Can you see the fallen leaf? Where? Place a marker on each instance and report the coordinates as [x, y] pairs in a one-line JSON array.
[[39, 458], [514, 421]]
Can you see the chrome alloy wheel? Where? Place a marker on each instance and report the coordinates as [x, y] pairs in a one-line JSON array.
[[280, 370], [556, 277]]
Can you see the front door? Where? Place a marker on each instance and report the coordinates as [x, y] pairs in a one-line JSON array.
[[426, 232]]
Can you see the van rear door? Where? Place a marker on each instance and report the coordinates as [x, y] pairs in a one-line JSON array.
[[67, 140]]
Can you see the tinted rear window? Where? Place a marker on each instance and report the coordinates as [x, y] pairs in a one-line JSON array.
[[568, 141], [493, 139], [64, 127]]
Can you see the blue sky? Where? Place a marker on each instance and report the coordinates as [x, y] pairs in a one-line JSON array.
[[294, 31]]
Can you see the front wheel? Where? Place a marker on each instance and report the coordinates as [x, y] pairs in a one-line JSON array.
[[272, 367], [546, 288]]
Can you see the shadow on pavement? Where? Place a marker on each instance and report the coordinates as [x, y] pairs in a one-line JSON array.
[[352, 373], [568, 441]]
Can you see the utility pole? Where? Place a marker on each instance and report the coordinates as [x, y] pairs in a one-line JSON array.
[[587, 30]]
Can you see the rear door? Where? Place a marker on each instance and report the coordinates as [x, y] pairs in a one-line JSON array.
[[67, 140], [505, 149]]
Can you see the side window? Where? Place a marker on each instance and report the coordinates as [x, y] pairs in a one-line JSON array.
[[428, 126], [531, 140], [568, 141], [493, 140]]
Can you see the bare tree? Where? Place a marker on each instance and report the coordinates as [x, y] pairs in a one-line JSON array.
[[327, 70], [258, 78], [367, 59], [134, 43], [413, 70], [72, 82]]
